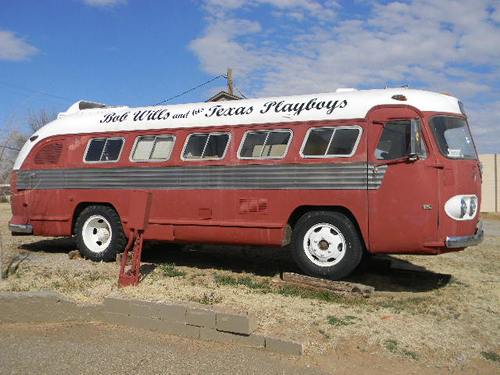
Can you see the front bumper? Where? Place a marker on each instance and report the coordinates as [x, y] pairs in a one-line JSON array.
[[456, 242], [21, 229]]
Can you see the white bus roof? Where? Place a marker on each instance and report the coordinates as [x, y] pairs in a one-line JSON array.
[[88, 117]]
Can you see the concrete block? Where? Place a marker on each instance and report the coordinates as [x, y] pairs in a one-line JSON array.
[[200, 317], [284, 346], [255, 341], [167, 312], [156, 325], [243, 324]]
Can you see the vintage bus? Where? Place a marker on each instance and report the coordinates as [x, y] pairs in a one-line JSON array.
[[335, 175]]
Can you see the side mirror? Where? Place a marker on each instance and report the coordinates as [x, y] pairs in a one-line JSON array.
[[416, 141]]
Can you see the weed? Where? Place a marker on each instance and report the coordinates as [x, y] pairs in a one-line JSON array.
[[491, 356], [293, 291], [345, 321], [391, 345], [210, 298], [169, 270], [325, 334], [412, 304], [246, 281]]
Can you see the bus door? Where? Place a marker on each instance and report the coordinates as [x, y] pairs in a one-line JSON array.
[[403, 183]]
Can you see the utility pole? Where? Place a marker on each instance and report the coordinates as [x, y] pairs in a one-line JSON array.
[[229, 77]]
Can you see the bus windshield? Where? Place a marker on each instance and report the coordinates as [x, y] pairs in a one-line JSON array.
[[453, 137]]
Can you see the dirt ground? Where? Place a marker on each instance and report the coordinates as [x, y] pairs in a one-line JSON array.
[[443, 320]]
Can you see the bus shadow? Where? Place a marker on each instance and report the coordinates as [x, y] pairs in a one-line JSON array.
[[53, 245], [387, 273], [257, 260], [384, 273]]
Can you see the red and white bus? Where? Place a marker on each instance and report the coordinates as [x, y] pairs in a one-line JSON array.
[[335, 175]]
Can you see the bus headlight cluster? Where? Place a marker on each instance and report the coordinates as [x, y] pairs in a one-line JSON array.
[[461, 207]]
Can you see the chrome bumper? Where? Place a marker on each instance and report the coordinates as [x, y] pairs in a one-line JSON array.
[[466, 241], [21, 228]]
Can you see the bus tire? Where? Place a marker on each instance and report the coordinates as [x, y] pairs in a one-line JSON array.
[[326, 244], [99, 233]]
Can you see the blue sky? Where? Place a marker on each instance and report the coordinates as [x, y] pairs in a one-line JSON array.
[[54, 52]]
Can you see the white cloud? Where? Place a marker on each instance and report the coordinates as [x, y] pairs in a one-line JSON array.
[[446, 45], [104, 3], [14, 48]]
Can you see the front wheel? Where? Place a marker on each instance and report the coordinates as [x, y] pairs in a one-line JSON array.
[[99, 233], [326, 244]]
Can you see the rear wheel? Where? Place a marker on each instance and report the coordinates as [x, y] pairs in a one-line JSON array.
[[99, 233], [326, 244]]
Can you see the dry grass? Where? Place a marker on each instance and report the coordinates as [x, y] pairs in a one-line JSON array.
[[427, 317]]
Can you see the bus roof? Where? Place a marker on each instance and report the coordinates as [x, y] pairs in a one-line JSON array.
[[86, 117]]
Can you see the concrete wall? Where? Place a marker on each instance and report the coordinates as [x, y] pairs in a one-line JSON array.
[[491, 182]]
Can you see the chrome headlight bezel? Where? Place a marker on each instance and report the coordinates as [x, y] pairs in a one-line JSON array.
[[462, 207]]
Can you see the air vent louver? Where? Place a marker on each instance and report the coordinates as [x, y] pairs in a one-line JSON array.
[[49, 154]]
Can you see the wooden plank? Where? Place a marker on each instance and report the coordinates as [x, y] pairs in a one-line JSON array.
[[313, 283]]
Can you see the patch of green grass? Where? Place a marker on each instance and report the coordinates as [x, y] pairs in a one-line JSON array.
[[393, 346], [169, 270], [491, 356], [293, 291], [345, 321], [412, 304], [245, 280]]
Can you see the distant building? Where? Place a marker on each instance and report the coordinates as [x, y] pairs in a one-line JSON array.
[[223, 96]]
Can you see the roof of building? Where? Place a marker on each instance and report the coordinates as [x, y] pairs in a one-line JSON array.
[[222, 96]]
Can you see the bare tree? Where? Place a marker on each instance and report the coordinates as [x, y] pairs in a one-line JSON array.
[[13, 139], [39, 118]]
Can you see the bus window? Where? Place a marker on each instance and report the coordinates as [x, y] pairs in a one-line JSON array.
[[265, 144], [205, 146], [395, 141], [153, 148], [103, 150], [331, 142]]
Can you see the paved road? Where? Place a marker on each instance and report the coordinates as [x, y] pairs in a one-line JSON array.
[[80, 348]]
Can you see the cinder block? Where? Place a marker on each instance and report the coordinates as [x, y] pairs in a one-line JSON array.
[[243, 324], [156, 325], [200, 317], [283, 346], [255, 341], [167, 312]]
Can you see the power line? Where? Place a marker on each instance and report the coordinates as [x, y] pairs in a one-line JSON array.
[[21, 88], [191, 89]]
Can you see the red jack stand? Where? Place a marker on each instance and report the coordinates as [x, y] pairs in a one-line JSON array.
[[137, 223]]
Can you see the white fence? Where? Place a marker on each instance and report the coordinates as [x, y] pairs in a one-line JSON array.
[[491, 182]]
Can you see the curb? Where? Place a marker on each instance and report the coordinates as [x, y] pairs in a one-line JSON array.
[[172, 319]]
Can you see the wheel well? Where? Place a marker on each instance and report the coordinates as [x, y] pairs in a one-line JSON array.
[[300, 211], [81, 206]]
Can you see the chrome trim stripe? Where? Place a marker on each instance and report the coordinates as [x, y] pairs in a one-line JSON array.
[[288, 176]]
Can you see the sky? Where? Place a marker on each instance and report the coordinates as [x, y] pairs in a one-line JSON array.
[[140, 52]]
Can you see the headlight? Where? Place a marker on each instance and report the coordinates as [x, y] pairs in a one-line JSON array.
[[473, 207], [461, 207]]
